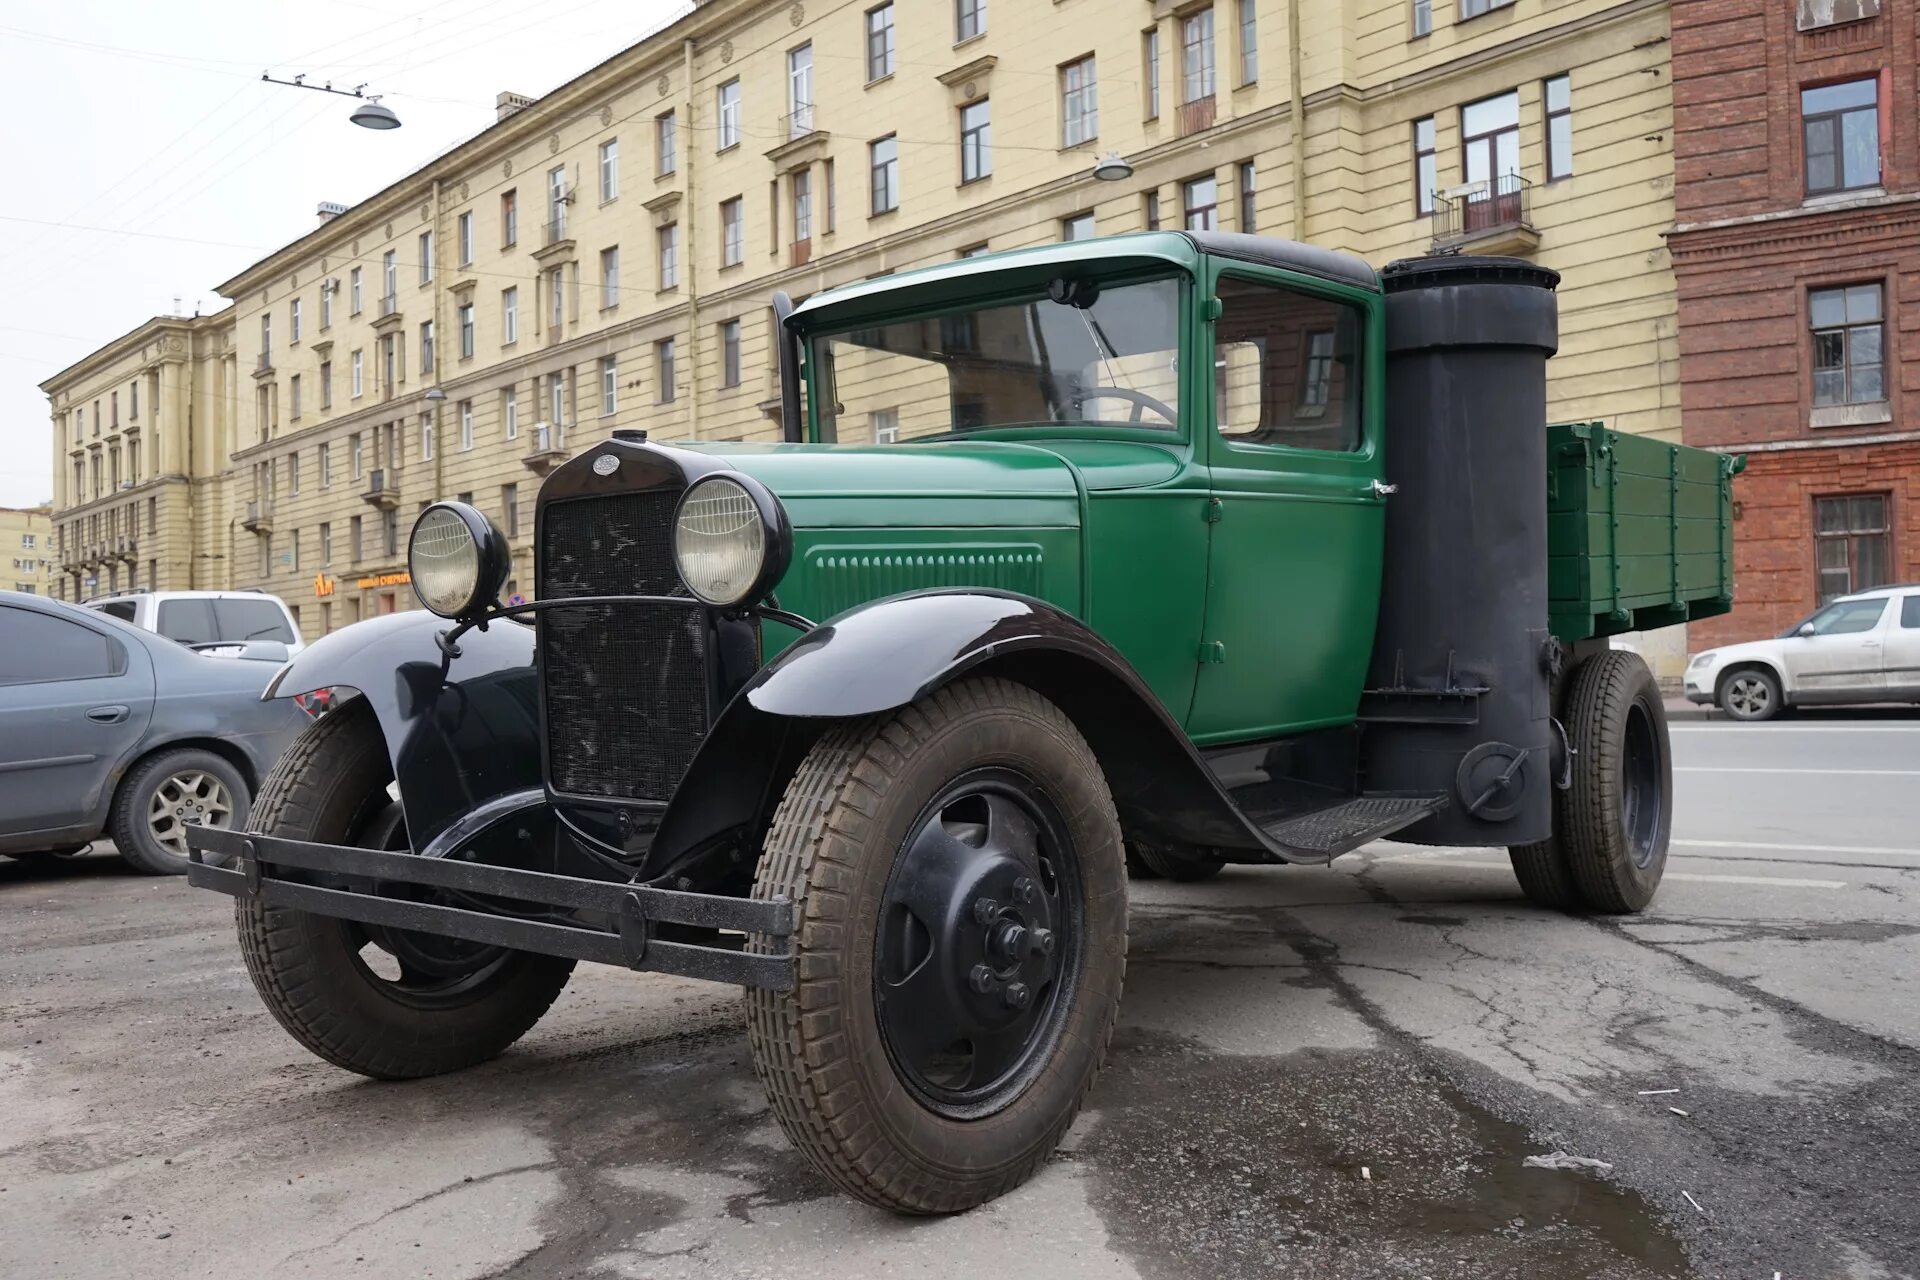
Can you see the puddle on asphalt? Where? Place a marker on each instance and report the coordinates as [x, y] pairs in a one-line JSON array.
[[1235, 1166]]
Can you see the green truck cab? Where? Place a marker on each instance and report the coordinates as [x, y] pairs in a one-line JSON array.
[[1133, 557]]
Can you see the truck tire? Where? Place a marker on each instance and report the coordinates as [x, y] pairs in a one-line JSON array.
[[389, 1004], [961, 855], [1615, 821], [163, 796], [1543, 871], [1137, 868], [1749, 693], [1185, 868]]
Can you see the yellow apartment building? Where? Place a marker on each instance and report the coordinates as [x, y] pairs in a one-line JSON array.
[[26, 539], [604, 256]]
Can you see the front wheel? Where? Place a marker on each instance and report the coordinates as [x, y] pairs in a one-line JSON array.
[[167, 794], [961, 884], [1749, 694], [387, 1003]]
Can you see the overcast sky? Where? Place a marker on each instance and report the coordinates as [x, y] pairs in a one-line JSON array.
[[150, 163]]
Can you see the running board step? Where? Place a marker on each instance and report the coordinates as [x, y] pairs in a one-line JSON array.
[[1342, 828]]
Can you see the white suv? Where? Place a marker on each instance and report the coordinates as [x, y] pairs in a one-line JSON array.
[[207, 621], [1864, 647]]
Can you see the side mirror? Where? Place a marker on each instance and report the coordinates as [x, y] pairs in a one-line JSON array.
[[1806, 629]]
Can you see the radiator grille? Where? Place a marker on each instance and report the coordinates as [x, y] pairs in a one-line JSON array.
[[624, 686]]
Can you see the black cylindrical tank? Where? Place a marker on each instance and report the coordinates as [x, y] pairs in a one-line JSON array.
[[1459, 689]]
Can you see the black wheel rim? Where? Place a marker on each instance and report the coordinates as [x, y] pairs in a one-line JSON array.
[[978, 948], [421, 970], [1642, 798]]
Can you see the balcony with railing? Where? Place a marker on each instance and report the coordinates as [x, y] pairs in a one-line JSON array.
[[259, 517], [800, 139], [797, 123], [383, 489], [557, 230], [800, 252], [1486, 217], [1196, 115], [546, 449], [263, 365], [389, 305]]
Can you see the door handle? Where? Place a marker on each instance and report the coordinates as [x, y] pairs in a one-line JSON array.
[[1381, 488], [107, 715]]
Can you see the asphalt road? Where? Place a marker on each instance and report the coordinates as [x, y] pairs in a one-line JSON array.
[[1331, 1073]]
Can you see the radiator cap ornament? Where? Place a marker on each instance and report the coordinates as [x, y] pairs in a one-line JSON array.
[[605, 465]]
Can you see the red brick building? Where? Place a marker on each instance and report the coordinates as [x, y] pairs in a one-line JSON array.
[[1797, 255]]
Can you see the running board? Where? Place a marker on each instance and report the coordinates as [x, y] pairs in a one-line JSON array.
[[352, 879], [1342, 828]]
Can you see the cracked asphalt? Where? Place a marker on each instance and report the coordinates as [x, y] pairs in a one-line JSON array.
[[1329, 1073]]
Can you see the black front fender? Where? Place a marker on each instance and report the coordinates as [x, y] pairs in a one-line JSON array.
[[460, 731], [892, 652]]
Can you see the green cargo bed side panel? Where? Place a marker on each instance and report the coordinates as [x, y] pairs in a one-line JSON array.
[[1639, 532]]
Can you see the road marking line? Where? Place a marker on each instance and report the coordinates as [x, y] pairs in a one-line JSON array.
[[1853, 773], [1800, 848], [1723, 726], [1693, 877]]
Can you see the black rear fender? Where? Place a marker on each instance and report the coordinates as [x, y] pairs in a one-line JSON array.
[[890, 653], [461, 732]]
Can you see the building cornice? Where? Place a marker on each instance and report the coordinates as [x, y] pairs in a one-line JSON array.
[[128, 344], [1804, 226]]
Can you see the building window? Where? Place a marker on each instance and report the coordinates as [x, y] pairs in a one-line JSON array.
[[1557, 93], [969, 19], [976, 140], [663, 371], [665, 143], [326, 385], [610, 277], [974, 251], [1150, 78], [1422, 17], [510, 507], [557, 399], [293, 472], [326, 305], [1425, 170], [510, 412], [800, 91], [463, 235], [293, 336], [609, 386], [358, 457], [733, 232], [1196, 56], [389, 281], [1841, 123], [558, 197], [1490, 139], [354, 292], [325, 463], [358, 375], [426, 346], [879, 42], [266, 348], [1249, 42], [466, 330], [1245, 182], [1200, 201], [802, 205], [1848, 352], [883, 168], [510, 316], [1079, 103], [326, 545], [1150, 211], [1474, 8], [885, 424], [728, 103], [1850, 541], [669, 241], [426, 437], [609, 170], [1078, 227], [730, 353], [293, 398], [466, 425], [390, 531], [509, 219], [426, 257]]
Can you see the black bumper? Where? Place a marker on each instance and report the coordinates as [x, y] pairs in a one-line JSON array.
[[258, 871]]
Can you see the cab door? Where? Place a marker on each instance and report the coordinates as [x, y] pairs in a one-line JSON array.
[[1296, 517]]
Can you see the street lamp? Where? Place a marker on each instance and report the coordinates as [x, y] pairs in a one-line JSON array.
[[370, 114], [1112, 167]]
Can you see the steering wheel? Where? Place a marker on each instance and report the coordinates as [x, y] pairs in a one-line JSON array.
[[1138, 399]]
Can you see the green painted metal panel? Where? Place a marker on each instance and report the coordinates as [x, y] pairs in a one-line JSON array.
[[1639, 532]]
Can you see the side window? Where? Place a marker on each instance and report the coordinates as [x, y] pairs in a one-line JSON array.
[[36, 648], [1910, 613], [1286, 368], [121, 609], [1850, 617], [251, 620], [188, 621]]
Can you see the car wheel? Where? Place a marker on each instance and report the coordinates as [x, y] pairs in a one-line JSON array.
[[388, 1003], [1749, 694], [1615, 820], [961, 887], [166, 796]]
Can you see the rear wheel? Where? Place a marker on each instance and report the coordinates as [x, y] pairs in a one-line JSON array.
[[387, 1003], [1750, 693], [1544, 873], [960, 880], [1615, 820]]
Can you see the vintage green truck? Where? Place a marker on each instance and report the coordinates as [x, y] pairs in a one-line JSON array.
[[1155, 553]]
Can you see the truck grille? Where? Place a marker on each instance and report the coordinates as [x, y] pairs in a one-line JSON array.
[[624, 686]]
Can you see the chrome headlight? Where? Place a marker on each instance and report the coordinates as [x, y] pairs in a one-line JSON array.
[[730, 540], [456, 558]]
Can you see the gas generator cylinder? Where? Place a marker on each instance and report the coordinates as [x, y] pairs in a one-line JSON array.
[[1459, 690]]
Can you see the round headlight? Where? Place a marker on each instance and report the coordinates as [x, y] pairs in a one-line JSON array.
[[452, 554], [726, 538]]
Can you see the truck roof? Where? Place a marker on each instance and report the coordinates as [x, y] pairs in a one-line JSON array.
[[1183, 249]]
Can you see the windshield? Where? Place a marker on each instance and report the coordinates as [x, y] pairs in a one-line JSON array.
[[1843, 617], [1079, 354]]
